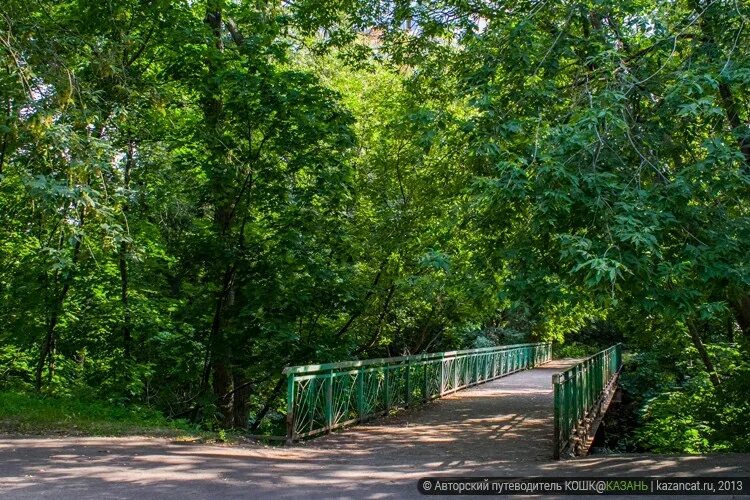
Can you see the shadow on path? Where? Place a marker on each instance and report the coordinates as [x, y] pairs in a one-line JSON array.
[[502, 428]]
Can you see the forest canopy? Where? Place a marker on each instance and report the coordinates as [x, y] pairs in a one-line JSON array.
[[195, 194]]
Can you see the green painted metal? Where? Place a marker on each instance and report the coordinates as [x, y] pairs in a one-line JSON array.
[[577, 391], [321, 398]]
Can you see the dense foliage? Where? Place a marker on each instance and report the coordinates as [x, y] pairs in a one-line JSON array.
[[196, 194]]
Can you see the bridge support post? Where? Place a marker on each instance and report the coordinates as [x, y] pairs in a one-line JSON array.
[[289, 409]]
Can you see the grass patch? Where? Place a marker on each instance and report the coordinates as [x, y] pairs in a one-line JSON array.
[[38, 414]]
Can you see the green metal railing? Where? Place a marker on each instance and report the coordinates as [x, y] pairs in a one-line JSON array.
[[578, 392], [324, 397]]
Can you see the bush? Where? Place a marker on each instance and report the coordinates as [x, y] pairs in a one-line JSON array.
[[32, 413], [15, 369], [692, 416]]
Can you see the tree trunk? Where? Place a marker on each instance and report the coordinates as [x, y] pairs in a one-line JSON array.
[[47, 350], [239, 402], [365, 301], [735, 121], [123, 258], [6, 138], [741, 310], [730, 329], [698, 343], [218, 360], [267, 406], [222, 387], [741, 307], [378, 326], [218, 363]]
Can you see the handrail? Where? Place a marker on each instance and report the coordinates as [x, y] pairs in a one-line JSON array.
[[579, 393], [395, 359], [324, 397]]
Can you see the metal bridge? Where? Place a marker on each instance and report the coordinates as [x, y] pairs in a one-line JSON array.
[[567, 407]]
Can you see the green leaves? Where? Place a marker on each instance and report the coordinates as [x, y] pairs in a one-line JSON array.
[[189, 198]]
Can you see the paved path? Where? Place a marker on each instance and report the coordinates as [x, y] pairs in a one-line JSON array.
[[501, 428]]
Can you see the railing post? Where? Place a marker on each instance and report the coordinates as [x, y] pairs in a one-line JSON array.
[[567, 406], [558, 402], [511, 356], [455, 373], [407, 396], [508, 362], [442, 375], [590, 384], [361, 410], [511, 361], [575, 394], [290, 408], [312, 400], [329, 401], [587, 402], [386, 390]]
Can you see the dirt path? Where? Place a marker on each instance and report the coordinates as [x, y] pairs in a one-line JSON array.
[[501, 428]]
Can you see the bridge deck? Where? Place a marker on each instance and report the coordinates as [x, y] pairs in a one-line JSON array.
[[509, 417]]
